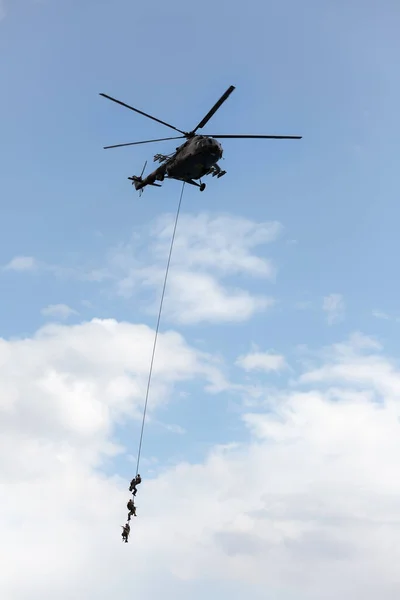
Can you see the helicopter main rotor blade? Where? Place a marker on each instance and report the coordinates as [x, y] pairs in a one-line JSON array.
[[141, 112], [214, 109], [273, 137], [179, 137]]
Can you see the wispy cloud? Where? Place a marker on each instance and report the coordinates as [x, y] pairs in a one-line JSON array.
[[334, 307], [222, 244], [261, 361], [384, 316], [199, 297], [177, 429], [58, 311], [22, 263], [379, 314], [80, 273], [207, 251]]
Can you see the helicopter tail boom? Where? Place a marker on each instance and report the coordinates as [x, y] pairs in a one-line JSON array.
[[140, 183]]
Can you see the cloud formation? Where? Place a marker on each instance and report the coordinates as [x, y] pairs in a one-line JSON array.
[[22, 263], [334, 307], [199, 297], [221, 243], [307, 507], [380, 314], [75, 383], [58, 311], [261, 361], [384, 316], [207, 250]]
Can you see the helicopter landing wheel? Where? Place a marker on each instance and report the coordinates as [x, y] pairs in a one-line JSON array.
[[202, 187]]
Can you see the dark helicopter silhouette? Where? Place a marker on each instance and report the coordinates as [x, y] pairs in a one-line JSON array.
[[196, 157]]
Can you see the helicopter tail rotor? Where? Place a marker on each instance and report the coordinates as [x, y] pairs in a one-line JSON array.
[[140, 183], [137, 180]]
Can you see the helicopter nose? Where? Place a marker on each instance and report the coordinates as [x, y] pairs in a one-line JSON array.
[[216, 147]]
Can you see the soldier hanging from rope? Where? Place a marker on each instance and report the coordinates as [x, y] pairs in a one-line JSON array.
[[135, 481], [126, 529], [132, 509]]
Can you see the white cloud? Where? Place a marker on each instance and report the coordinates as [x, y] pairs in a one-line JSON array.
[[316, 513], [221, 243], [198, 297], [261, 361], [79, 273], [77, 380], [62, 393], [206, 250], [307, 509], [174, 428], [379, 314], [22, 263], [60, 311], [334, 307], [87, 303]]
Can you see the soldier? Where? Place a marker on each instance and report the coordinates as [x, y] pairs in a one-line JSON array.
[[125, 532], [132, 509], [135, 481]]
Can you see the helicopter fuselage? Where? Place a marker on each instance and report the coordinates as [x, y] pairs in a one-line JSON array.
[[194, 158], [191, 161]]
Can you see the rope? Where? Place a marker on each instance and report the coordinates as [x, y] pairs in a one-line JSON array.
[[157, 328]]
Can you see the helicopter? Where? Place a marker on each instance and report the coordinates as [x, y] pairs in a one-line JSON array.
[[197, 157]]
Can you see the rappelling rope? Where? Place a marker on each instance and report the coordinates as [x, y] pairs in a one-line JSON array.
[[157, 328], [136, 480]]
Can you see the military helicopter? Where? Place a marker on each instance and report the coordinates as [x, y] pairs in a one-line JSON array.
[[197, 157]]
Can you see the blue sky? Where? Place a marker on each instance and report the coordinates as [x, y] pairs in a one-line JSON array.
[[329, 79], [319, 215]]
